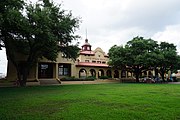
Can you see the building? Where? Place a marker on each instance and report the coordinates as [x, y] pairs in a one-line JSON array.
[[89, 63]]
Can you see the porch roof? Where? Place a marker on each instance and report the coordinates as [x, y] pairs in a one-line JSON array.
[[87, 53], [92, 64]]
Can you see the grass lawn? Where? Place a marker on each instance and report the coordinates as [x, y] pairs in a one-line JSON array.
[[91, 102]]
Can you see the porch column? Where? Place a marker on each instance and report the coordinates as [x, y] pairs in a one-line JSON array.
[[112, 73], [97, 74], [126, 74], [77, 72], [36, 76], [57, 71], [88, 73], [153, 72], [147, 73], [131, 74], [169, 74], [120, 73]]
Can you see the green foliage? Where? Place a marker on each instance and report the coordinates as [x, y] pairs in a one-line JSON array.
[[89, 78], [142, 54], [115, 60], [96, 102], [104, 77], [177, 80], [176, 66], [39, 30]]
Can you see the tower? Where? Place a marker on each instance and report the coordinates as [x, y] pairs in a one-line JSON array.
[[86, 46]]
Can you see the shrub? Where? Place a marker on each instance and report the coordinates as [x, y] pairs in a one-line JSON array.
[[178, 79], [175, 79], [89, 78], [103, 77]]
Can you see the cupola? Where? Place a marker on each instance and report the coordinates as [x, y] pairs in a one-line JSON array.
[[86, 46]]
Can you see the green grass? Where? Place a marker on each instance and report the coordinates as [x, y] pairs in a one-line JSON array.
[[91, 102]]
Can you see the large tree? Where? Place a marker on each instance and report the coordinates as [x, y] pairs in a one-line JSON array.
[[141, 54], [36, 30]]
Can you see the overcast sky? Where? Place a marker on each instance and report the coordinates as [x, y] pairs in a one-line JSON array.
[[110, 22]]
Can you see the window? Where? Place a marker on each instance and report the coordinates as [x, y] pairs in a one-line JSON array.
[[93, 61], [65, 69], [98, 61], [64, 55], [61, 70], [86, 60], [103, 62], [45, 70]]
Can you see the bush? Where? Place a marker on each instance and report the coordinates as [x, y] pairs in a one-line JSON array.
[[89, 78], [67, 78], [175, 79], [104, 77], [178, 79]]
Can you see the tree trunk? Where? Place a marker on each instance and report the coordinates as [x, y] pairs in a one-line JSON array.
[[162, 75], [25, 73], [137, 72], [162, 72], [137, 77], [22, 73]]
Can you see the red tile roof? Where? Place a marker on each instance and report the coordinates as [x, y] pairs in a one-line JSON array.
[[92, 64], [106, 55], [87, 53]]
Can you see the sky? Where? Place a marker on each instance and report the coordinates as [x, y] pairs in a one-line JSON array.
[[114, 22]]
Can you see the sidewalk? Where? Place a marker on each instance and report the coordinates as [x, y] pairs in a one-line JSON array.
[[173, 82], [89, 82], [75, 82]]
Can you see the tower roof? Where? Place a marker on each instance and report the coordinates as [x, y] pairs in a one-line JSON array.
[[86, 43]]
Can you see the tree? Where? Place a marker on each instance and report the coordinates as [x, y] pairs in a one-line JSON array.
[[143, 54], [176, 66], [36, 31], [170, 56]]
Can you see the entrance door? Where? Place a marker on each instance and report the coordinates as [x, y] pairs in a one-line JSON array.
[[45, 70]]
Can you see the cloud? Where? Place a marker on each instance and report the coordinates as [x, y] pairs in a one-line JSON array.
[[114, 38], [170, 34], [112, 22], [151, 15]]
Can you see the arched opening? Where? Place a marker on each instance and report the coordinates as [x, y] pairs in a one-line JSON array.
[[116, 74], [82, 73], [108, 73], [140, 74], [150, 75], [100, 73], [123, 74], [145, 73], [129, 74], [92, 73]]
